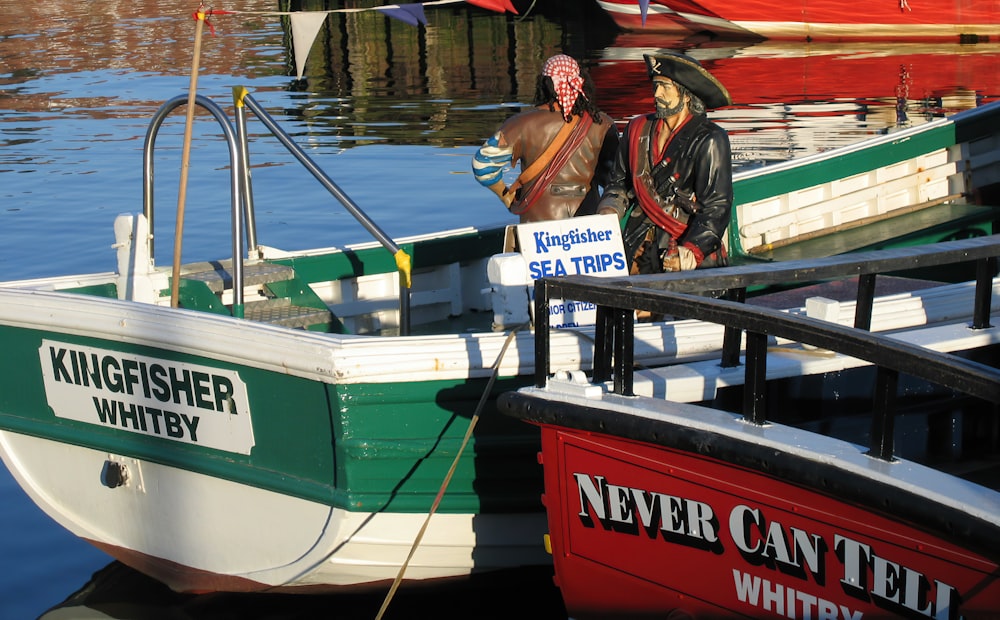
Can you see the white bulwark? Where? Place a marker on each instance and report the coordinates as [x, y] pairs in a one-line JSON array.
[[164, 398]]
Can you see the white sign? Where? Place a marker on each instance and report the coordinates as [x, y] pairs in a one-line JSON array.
[[190, 403], [590, 245]]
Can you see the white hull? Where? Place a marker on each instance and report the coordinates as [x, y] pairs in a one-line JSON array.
[[191, 530]]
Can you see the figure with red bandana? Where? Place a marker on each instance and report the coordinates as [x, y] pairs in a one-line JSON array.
[[672, 181], [564, 146]]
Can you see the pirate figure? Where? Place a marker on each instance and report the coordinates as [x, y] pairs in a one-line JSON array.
[[672, 181], [564, 145]]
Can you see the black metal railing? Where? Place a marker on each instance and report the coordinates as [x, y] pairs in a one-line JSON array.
[[677, 294]]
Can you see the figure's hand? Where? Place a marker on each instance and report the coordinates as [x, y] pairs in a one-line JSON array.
[[500, 189], [507, 198], [681, 260]]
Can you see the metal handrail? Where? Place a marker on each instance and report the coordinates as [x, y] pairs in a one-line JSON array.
[[242, 194], [236, 189], [242, 97]]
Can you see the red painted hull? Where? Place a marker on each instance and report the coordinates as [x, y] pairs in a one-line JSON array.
[[737, 543], [815, 19]]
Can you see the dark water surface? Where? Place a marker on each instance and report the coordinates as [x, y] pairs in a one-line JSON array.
[[393, 113]]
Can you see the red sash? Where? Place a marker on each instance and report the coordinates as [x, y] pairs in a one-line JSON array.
[[543, 181], [640, 162]]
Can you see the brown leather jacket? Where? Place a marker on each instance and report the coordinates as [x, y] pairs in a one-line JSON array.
[[574, 190]]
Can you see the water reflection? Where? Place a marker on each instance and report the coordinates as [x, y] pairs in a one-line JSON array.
[[371, 79], [374, 79], [453, 82], [90, 57], [117, 591]]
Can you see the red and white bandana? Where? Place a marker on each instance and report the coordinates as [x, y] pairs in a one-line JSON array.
[[565, 74]]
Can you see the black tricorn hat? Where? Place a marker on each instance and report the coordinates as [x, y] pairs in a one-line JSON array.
[[688, 72]]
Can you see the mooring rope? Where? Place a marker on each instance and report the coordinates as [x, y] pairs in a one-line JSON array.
[[451, 472]]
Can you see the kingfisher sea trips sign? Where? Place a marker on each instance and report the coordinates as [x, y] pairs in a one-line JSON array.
[[720, 538], [190, 403], [589, 245]]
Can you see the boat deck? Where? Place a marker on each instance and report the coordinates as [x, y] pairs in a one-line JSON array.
[[928, 225]]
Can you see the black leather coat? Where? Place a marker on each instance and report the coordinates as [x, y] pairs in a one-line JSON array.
[[696, 175]]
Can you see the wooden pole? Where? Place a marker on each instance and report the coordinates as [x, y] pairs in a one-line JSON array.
[[186, 159]]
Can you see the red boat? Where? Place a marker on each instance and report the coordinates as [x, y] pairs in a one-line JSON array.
[[666, 509], [835, 20]]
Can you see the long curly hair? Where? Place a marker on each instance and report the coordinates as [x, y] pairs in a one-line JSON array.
[[545, 94]]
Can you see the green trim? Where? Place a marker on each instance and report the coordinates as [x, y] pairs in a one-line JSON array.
[[108, 290], [375, 260], [196, 295], [754, 188], [302, 295]]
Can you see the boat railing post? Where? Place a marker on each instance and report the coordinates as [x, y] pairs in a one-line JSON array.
[[624, 345], [603, 338], [866, 299], [732, 336], [541, 332], [755, 379], [986, 268], [246, 189], [883, 417]]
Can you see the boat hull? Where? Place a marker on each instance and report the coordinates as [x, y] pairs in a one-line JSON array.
[[831, 20], [115, 432], [757, 545], [200, 533]]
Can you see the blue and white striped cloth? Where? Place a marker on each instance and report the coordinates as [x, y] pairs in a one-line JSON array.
[[490, 161]]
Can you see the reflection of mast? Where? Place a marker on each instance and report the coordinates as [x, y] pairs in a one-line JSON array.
[[377, 76], [902, 96]]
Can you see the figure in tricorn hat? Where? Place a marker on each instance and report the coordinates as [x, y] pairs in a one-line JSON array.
[[672, 181]]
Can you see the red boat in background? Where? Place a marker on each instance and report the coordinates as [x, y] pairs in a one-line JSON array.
[[832, 20]]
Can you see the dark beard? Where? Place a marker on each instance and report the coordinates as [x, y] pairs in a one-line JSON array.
[[665, 112]]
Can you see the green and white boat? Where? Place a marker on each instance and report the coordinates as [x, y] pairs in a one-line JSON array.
[[306, 420]]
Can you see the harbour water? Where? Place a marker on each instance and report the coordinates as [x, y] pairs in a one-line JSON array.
[[393, 113]]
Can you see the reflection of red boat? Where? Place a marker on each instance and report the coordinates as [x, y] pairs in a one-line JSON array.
[[813, 19], [815, 93], [769, 71]]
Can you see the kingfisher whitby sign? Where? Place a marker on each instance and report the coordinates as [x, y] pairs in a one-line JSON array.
[[173, 400]]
